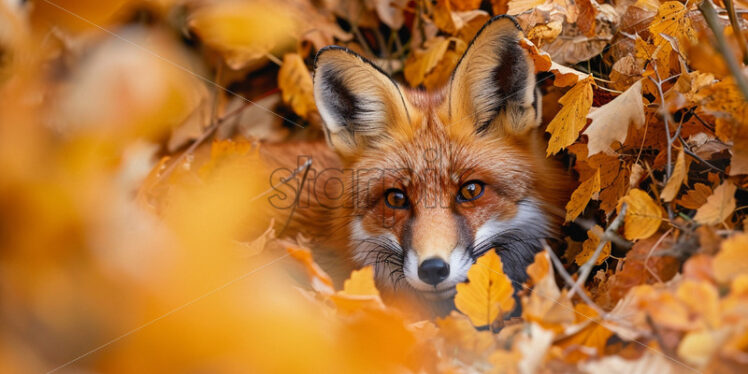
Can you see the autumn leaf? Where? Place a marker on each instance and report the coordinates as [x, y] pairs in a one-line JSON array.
[[359, 292], [488, 293], [732, 259], [677, 178], [570, 120], [564, 76], [695, 198], [671, 21], [643, 215], [546, 305], [594, 235], [581, 196], [611, 121], [718, 206], [422, 62], [541, 60], [243, 31], [295, 82], [321, 282], [588, 342]]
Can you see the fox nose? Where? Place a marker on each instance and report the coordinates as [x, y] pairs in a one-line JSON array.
[[433, 271]]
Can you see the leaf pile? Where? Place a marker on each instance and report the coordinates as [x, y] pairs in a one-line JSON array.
[[128, 225]]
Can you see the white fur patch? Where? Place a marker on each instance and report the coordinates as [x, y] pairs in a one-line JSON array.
[[530, 222]]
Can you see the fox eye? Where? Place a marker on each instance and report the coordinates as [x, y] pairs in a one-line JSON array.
[[396, 199], [470, 191]]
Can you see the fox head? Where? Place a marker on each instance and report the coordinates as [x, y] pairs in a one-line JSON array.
[[440, 177]]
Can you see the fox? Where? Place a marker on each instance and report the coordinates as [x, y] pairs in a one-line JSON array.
[[419, 184]]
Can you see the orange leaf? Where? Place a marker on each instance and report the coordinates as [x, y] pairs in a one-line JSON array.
[[547, 305], [588, 342], [359, 292], [488, 293], [581, 196], [321, 282], [732, 259], [643, 215], [570, 120], [695, 198]]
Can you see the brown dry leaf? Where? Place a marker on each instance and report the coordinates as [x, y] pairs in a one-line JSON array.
[[295, 83], [321, 282], [586, 18], [732, 260], [581, 196], [541, 60], [643, 215], [545, 32], [695, 198], [678, 178], [565, 127], [594, 235], [243, 32], [422, 62], [565, 76], [610, 122], [547, 305], [488, 293], [719, 205], [390, 12], [625, 72]]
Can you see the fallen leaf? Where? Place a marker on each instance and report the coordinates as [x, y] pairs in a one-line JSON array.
[[588, 342], [295, 83], [594, 235], [677, 178], [541, 60], [611, 121], [546, 305], [422, 62], [643, 215], [719, 205], [570, 120], [565, 76], [695, 198], [581, 196], [359, 292], [732, 259], [321, 282], [488, 293], [243, 32], [671, 21]]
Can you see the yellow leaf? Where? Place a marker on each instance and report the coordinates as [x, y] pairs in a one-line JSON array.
[[361, 283], [295, 82], [671, 21], [610, 122], [359, 292], [440, 74], [702, 298], [243, 32], [570, 120], [677, 178], [488, 293], [732, 259], [718, 206], [590, 245], [643, 215], [697, 347], [423, 62], [581, 196]]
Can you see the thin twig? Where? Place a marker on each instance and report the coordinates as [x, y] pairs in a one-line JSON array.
[[567, 278], [710, 16], [688, 151], [585, 270], [736, 29]]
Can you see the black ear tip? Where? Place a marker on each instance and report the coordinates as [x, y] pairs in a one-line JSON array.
[[328, 49], [500, 17]]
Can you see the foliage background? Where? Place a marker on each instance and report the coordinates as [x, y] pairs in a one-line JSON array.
[[129, 243]]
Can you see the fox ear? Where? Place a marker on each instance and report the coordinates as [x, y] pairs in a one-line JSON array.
[[359, 103], [493, 86]]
